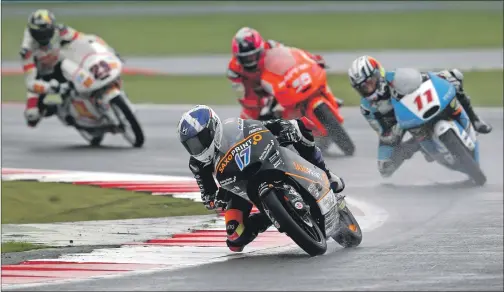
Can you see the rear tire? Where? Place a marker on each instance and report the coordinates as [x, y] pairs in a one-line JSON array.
[[94, 140], [346, 237], [336, 131], [288, 225], [463, 156], [120, 104]]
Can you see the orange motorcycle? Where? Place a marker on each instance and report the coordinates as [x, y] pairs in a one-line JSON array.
[[299, 85]]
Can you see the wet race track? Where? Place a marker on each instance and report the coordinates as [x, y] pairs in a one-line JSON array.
[[440, 233]]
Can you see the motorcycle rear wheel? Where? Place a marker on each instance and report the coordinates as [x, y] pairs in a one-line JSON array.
[[349, 233]]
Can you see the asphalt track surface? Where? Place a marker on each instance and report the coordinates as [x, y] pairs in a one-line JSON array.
[[250, 8], [441, 232]]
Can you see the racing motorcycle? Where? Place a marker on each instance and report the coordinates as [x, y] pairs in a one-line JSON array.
[[434, 116], [299, 85], [96, 102], [293, 193]]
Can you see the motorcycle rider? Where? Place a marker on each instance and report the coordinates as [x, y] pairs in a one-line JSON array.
[[369, 79], [200, 131], [40, 55], [244, 72]]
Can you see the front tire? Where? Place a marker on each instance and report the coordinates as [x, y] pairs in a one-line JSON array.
[[315, 245], [335, 129], [463, 156], [120, 105]]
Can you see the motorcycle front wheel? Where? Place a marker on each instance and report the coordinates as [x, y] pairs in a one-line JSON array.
[[303, 231], [133, 132], [335, 129]]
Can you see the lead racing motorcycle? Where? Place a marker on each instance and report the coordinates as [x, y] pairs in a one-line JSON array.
[[96, 103], [292, 192], [433, 115]]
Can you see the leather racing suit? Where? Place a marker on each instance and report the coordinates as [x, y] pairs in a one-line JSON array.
[[256, 103], [379, 113], [42, 71], [242, 228]]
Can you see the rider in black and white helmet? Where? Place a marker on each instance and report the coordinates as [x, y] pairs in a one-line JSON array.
[[368, 78], [200, 132]]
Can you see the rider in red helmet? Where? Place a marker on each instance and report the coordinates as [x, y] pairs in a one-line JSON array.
[[245, 69]]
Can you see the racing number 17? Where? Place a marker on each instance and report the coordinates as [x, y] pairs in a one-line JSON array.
[[419, 102]]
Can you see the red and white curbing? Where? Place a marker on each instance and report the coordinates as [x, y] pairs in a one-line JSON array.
[[198, 247]]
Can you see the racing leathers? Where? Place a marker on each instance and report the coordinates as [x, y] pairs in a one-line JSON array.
[[257, 103], [242, 228], [379, 113], [42, 72]]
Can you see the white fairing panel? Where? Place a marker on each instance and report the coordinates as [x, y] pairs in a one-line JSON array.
[[422, 99], [467, 137], [89, 65]]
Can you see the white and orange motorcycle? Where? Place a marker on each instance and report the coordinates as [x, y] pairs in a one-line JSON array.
[[97, 103]]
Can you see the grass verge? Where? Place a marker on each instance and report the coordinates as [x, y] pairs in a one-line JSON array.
[[35, 202], [485, 88], [17, 246], [141, 35]]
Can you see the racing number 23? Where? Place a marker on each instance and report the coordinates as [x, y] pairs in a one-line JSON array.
[[419, 99], [100, 70]]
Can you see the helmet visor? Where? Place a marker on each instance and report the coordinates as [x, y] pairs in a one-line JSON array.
[[367, 87], [249, 59], [42, 36], [200, 143]]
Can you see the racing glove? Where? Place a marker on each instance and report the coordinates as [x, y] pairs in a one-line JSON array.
[[214, 200], [290, 132], [59, 88], [320, 61]]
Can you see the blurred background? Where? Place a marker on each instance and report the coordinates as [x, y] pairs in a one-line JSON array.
[[155, 35]]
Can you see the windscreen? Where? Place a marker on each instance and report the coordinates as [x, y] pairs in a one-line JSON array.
[[232, 133], [77, 50], [279, 60]]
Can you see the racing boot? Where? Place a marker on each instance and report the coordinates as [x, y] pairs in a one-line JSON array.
[[337, 186], [257, 223], [479, 125]]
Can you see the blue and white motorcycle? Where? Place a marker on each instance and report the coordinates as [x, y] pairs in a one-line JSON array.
[[432, 114]]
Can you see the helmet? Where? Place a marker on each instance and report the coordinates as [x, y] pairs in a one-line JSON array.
[[248, 47], [200, 131], [366, 76], [41, 26]]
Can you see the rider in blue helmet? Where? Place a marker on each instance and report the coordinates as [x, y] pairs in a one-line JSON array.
[[200, 132]]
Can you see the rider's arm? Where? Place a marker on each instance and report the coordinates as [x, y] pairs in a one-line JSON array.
[[386, 127], [67, 34], [204, 176], [235, 78], [289, 129], [30, 69]]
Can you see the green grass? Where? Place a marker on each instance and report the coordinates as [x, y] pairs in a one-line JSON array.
[[485, 88], [163, 35], [17, 246], [34, 202]]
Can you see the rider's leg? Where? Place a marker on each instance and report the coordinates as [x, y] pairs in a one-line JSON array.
[[390, 157], [456, 77], [479, 125], [308, 150], [241, 228]]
